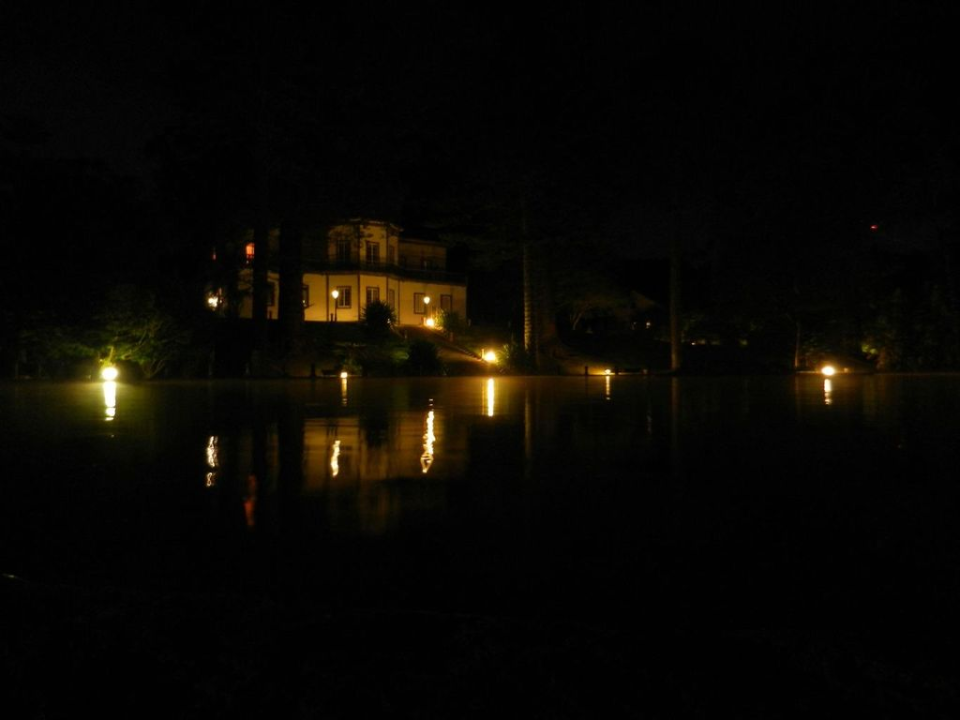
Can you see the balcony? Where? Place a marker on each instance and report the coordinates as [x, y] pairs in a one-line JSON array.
[[324, 265]]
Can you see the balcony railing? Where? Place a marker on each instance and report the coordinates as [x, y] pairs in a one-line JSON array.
[[329, 266]]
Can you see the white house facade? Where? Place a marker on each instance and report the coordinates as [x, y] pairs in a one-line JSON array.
[[361, 261]]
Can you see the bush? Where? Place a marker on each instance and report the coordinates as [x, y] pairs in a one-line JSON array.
[[514, 358], [424, 359], [377, 317], [451, 321]]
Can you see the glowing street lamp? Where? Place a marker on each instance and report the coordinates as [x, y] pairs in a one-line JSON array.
[[828, 370], [109, 373], [335, 294], [489, 356], [426, 303]]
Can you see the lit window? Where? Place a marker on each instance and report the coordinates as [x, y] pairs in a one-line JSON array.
[[373, 295], [249, 252], [373, 253], [392, 298], [343, 299], [343, 251]]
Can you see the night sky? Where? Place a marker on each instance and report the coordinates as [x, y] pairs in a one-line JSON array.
[[133, 137]]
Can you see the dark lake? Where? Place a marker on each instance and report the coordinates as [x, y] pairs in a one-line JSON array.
[[813, 518]]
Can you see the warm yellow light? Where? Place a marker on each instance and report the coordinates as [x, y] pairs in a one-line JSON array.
[[343, 375], [426, 299], [213, 301], [489, 392], [429, 438], [109, 373], [608, 371], [828, 370], [827, 391], [430, 322], [110, 399], [490, 356], [335, 459], [335, 294], [213, 451]]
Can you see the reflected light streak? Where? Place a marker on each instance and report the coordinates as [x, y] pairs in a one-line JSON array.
[[489, 396], [606, 390], [213, 451], [213, 460], [110, 399], [426, 460], [343, 391], [250, 501], [335, 459], [827, 391]]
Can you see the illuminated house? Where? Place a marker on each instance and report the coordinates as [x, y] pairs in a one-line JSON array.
[[361, 261]]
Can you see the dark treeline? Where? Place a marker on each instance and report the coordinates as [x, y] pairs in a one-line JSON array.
[[805, 179]]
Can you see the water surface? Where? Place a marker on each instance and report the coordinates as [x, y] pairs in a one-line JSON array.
[[757, 502]]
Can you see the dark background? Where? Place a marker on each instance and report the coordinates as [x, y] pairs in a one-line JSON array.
[[803, 156]]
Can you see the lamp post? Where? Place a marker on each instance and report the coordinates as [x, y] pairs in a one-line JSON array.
[[426, 304], [335, 294]]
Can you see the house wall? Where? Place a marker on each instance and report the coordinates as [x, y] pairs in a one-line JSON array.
[[383, 235], [407, 289]]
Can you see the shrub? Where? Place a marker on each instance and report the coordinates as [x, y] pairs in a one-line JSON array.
[[378, 316], [424, 359]]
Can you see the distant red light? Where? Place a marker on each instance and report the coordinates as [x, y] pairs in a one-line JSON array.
[[874, 227]]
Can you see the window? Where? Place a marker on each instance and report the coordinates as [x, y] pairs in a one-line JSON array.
[[403, 261], [419, 307], [343, 300], [392, 298], [249, 252], [373, 253], [343, 250], [391, 254], [306, 296], [373, 295], [446, 303], [271, 294]]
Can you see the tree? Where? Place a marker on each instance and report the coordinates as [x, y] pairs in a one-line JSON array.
[[134, 328]]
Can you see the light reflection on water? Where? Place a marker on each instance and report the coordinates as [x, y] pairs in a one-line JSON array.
[[110, 399], [575, 457]]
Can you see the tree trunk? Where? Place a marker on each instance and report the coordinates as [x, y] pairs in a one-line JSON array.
[[529, 306], [261, 260], [530, 336], [675, 258], [291, 286]]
